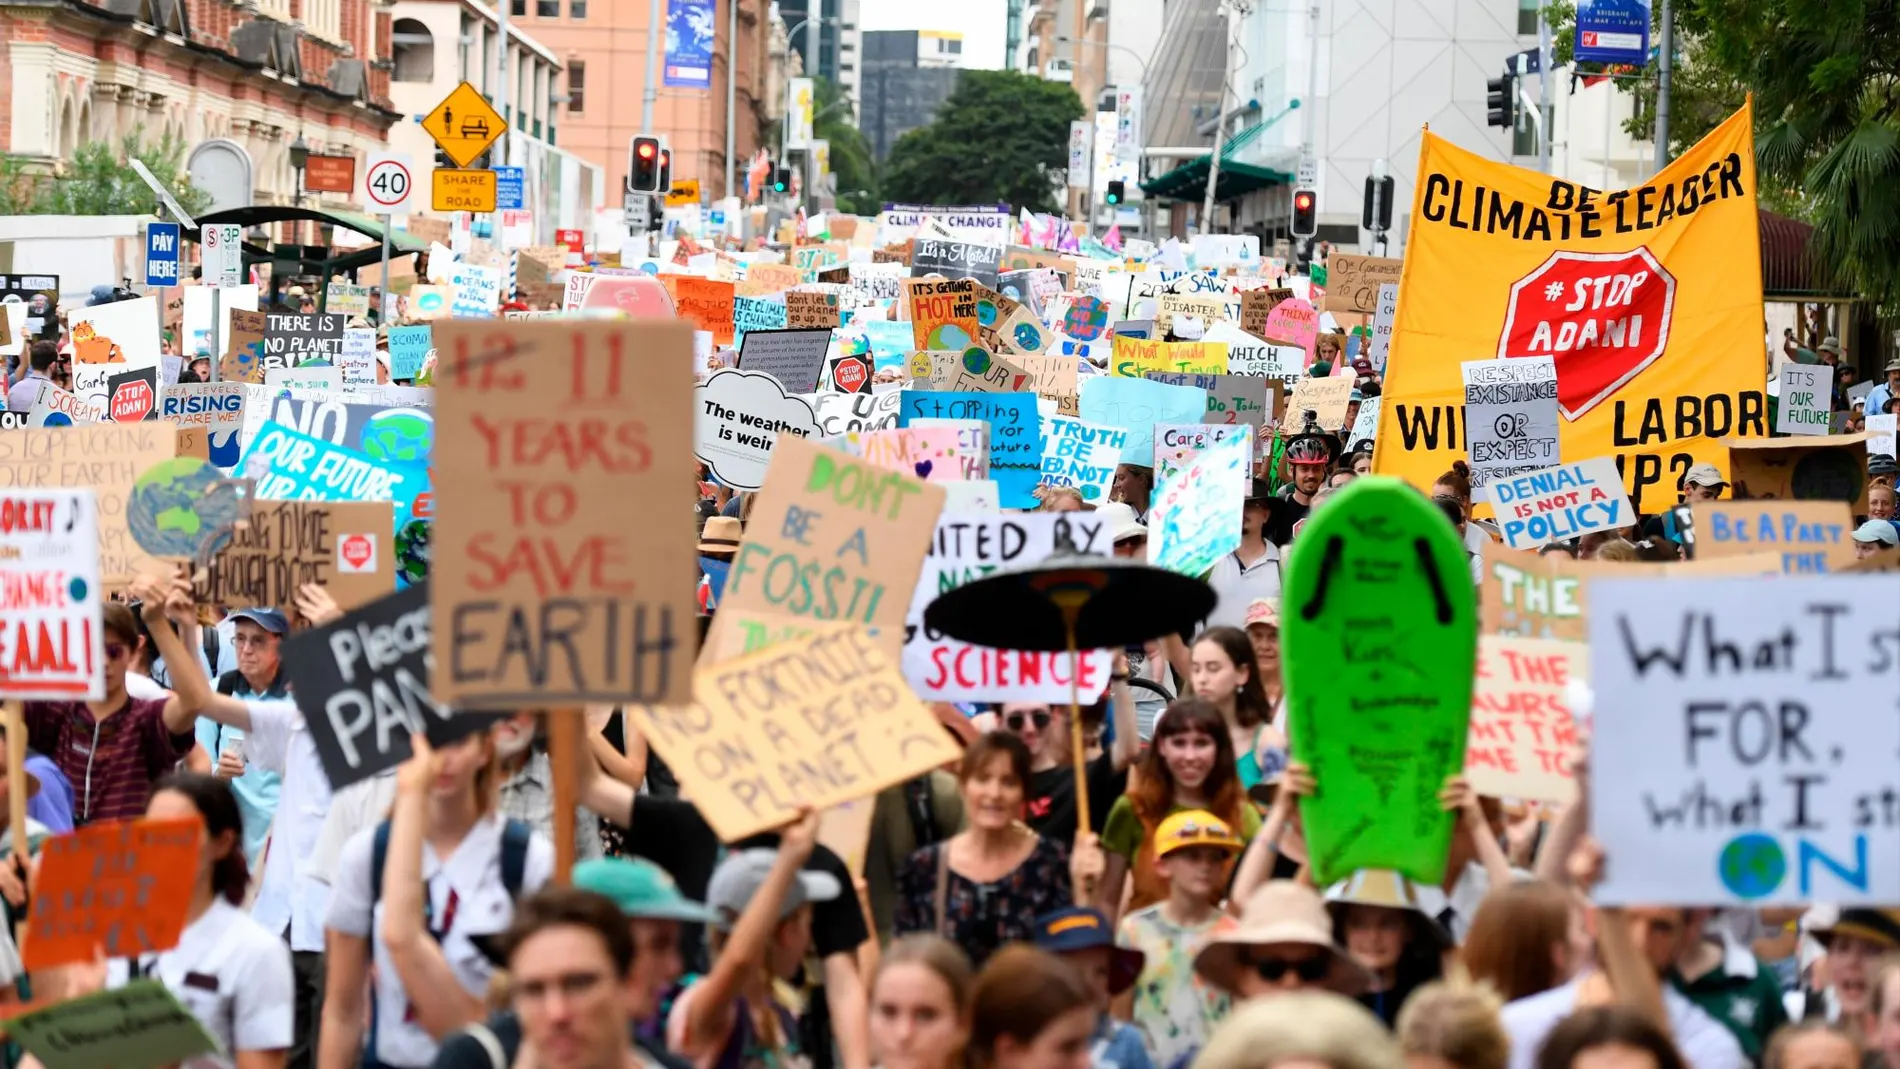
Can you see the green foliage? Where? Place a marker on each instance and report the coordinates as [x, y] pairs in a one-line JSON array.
[[851, 161], [1000, 137], [99, 180]]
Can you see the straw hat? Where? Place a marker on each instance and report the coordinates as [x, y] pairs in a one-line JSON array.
[[721, 535], [1279, 912], [1387, 890]]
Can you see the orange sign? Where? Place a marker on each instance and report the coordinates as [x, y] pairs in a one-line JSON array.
[[120, 887], [330, 174], [707, 304]]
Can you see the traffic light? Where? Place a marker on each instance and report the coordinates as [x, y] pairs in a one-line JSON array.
[[781, 179], [1305, 213], [1115, 191], [1500, 101], [1376, 215], [666, 170], [643, 166]]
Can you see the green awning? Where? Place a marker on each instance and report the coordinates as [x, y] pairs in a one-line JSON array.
[[1189, 180]]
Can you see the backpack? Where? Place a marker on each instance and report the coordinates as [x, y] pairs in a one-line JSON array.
[[514, 861]]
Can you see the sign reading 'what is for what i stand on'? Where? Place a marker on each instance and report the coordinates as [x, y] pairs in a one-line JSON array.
[[549, 591]]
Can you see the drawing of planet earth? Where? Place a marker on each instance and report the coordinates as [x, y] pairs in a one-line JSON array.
[[412, 551], [949, 337], [399, 436], [184, 507]]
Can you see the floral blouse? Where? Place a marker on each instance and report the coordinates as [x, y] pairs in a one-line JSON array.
[[981, 917]]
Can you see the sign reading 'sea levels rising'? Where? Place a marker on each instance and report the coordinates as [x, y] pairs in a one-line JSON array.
[[1648, 301]]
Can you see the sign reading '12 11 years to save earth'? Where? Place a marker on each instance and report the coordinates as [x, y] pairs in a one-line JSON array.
[[565, 552]]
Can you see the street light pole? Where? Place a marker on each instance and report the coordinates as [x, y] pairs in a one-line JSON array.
[[1665, 67]]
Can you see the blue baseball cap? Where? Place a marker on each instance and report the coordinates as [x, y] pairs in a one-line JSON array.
[[640, 888], [269, 619], [1080, 928]]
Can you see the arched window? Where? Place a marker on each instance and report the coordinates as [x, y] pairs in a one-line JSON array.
[[413, 48]]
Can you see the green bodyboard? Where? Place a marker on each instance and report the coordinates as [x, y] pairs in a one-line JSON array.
[[1379, 632]]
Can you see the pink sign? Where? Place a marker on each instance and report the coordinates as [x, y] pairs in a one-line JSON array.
[[933, 454], [1294, 321]]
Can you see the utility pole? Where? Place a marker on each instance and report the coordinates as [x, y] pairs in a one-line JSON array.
[[1665, 61], [1543, 84], [732, 92], [500, 94], [652, 91], [814, 32], [1234, 12]]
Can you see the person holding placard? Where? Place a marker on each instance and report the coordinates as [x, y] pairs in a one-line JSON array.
[[232, 975], [113, 750], [1044, 729], [1378, 919]]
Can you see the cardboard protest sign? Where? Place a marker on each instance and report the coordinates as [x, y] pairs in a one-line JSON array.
[[1882, 431], [1196, 516], [1805, 399], [345, 298], [243, 357], [956, 259], [1081, 454], [477, 290], [1809, 536], [793, 357], [1231, 399], [971, 459], [550, 591], [110, 340], [967, 547], [1209, 310], [121, 886], [705, 303], [1177, 444], [806, 308], [1015, 434], [132, 396], [1523, 740], [1352, 282], [347, 546], [757, 313], [1136, 405], [1256, 305], [1510, 419], [1053, 378], [832, 538], [290, 338], [943, 315], [289, 466], [1388, 310], [1546, 595], [357, 361], [58, 408], [753, 747], [141, 1025], [108, 458], [845, 413], [1562, 502], [363, 686], [763, 278], [49, 568], [1653, 317], [1134, 358], [739, 418], [1294, 322], [1806, 467], [977, 370], [1382, 650], [1735, 756], [1326, 398]]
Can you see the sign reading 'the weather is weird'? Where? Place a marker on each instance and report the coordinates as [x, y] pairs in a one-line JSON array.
[[1648, 300], [547, 590]]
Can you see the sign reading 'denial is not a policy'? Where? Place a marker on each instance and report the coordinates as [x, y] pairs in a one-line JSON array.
[[1568, 501], [547, 591]]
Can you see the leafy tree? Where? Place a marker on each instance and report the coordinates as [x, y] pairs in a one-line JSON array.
[[851, 162], [99, 180], [999, 137]]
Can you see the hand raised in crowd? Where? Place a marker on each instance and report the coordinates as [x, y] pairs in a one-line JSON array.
[[800, 837], [16, 875], [417, 773], [315, 604], [1456, 796]]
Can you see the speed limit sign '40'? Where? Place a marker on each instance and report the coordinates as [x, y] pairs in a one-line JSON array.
[[386, 184]]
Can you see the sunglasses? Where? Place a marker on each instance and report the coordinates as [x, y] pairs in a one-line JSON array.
[[1040, 717], [1309, 970], [114, 651]]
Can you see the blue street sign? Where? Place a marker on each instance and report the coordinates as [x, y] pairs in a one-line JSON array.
[[508, 188], [1613, 31], [161, 254]]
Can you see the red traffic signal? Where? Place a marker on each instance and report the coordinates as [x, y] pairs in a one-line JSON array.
[[645, 150], [643, 166], [1305, 213]]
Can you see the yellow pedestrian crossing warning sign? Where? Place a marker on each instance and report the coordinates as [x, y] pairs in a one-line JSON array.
[[464, 124]]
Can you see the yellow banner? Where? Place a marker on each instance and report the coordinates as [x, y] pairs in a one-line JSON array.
[[1648, 299], [1134, 357]]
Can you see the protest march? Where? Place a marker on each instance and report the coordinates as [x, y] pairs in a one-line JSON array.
[[1067, 652]]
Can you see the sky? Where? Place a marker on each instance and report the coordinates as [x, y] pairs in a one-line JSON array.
[[980, 21]]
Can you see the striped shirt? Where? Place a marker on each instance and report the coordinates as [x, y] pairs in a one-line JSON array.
[[111, 763]]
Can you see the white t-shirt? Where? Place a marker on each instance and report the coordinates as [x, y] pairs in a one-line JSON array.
[[1703, 1041], [289, 896], [1237, 586], [465, 895], [232, 975]]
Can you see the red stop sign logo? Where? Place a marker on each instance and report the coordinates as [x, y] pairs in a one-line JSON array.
[[358, 551], [850, 374], [132, 402], [1603, 317]]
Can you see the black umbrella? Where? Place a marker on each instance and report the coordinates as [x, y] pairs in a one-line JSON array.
[[1072, 601]]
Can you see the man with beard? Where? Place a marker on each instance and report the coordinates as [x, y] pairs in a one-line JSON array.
[[1309, 456]]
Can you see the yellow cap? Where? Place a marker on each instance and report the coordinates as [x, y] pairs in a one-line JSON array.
[[1194, 827]]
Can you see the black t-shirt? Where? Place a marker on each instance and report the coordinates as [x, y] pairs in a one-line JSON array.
[[1285, 513], [660, 778], [1051, 797], [463, 1051]]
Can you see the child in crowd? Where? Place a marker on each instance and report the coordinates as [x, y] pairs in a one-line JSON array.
[[1173, 1007]]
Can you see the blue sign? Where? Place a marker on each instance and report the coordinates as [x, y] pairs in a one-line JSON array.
[[1015, 434], [1613, 31], [408, 348], [509, 183], [689, 44], [161, 254]]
